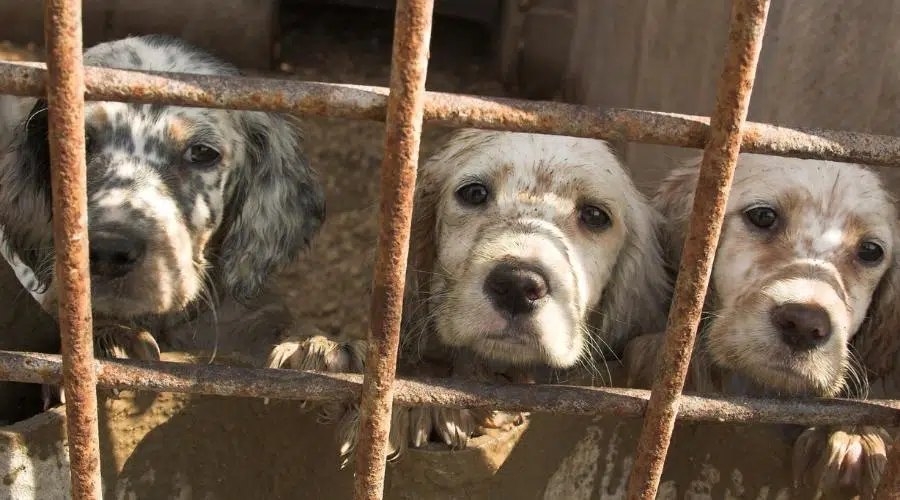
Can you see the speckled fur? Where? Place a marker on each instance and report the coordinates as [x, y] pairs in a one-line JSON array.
[[216, 233]]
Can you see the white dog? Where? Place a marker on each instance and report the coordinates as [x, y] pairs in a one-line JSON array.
[[803, 299], [529, 253]]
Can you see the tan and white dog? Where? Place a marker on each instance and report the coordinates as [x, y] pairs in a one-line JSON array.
[[530, 254], [802, 299]]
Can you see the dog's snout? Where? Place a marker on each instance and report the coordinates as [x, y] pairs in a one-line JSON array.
[[802, 326], [516, 289], [114, 254]]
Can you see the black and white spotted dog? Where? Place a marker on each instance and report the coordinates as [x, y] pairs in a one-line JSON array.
[[190, 211]]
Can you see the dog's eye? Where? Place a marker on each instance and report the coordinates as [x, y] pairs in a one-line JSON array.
[[870, 252], [761, 217], [472, 194], [594, 217], [201, 155]]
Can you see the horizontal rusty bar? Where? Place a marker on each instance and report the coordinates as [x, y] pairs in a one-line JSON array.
[[453, 110], [220, 380]]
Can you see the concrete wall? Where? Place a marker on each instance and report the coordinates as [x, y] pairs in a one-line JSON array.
[[169, 446], [242, 31], [827, 64]]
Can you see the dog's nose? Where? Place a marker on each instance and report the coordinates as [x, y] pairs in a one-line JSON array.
[[114, 254], [516, 289], [802, 326]]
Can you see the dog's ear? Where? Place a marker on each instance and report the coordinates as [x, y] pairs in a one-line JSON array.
[[422, 247], [25, 193], [430, 183], [636, 299], [277, 208], [674, 199], [877, 342]]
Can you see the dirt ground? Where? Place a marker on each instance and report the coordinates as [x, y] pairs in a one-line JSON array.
[[331, 285]]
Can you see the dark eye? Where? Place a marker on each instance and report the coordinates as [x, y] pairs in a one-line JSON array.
[[761, 217], [870, 252], [201, 155], [472, 194], [594, 217]]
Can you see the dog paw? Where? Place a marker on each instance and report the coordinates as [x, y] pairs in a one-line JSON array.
[[454, 427], [124, 342], [326, 354], [844, 460], [111, 342], [319, 353], [348, 429]]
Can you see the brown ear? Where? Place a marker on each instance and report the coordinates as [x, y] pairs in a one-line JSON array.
[[422, 244], [877, 342], [422, 255], [674, 199]]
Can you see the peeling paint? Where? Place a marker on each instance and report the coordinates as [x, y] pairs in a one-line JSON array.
[[574, 478], [35, 476], [612, 451]]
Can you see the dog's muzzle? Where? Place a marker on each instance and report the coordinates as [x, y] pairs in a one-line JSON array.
[[516, 288], [115, 253]]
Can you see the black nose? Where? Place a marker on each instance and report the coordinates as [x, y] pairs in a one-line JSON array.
[[114, 254], [802, 326], [516, 288]]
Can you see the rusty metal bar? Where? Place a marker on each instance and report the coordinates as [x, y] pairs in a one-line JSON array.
[[748, 23], [454, 110], [403, 133], [234, 381], [68, 176], [889, 487]]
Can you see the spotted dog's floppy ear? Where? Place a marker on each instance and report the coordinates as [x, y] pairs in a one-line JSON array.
[[25, 193], [277, 208], [877, 342]]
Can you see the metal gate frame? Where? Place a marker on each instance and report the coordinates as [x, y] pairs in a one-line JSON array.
[[404, 107]]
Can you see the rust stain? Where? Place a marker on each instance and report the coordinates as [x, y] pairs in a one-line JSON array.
[[748, 22], [222, 380], [68, 176], [453, 110], [403, 132]]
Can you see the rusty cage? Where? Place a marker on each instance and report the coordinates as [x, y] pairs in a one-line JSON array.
[[404, 107]]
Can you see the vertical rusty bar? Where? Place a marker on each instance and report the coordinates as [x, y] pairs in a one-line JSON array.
[[403, 131], [65, 95], [748, 22], [889, 488]]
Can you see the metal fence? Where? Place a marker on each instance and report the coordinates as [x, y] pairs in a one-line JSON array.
[[404, 107]]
